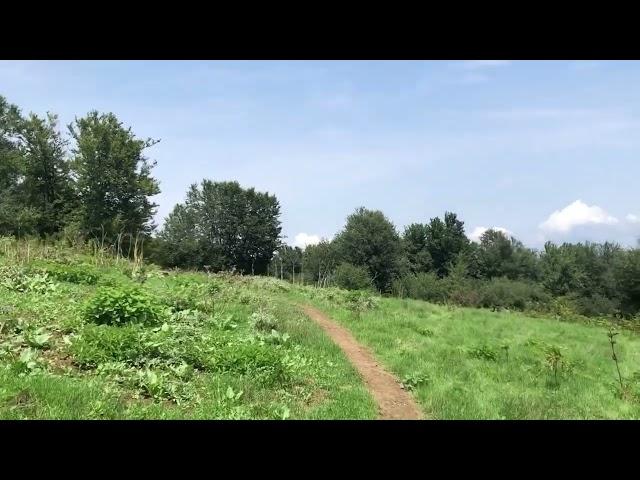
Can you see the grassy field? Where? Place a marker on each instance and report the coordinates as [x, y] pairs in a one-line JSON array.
[[476, 364], [219, 347], [199, 346]]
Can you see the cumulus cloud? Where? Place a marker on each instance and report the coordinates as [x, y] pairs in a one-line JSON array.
[[478, 231], [631, 218], [574, 215], [303, 239]]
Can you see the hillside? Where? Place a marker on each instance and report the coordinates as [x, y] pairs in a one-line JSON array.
[[466, 363], [193, 346], [89, 336]]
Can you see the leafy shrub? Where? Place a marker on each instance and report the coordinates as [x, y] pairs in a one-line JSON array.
[[262, 363], [596, 305], [426, 332], [484, 352], [462, 291], [163, 385], [193, 295], [557, 362], [263, 321], [103, 344], [421, 286], [224, 322], [414, 380], [352, 277], [83, 274], [359, 302], [120, 305], [512, 294], [22, 280], [563, 307]]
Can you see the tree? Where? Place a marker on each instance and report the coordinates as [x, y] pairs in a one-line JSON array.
[[502, 256], [351, 277], [15, 216], [113, 177], [415, 246], [444, 241], [320, 261], [628, 281], [223, 226], [291, 260], [561, 273], [178, 244], [369, 239], [47, 184]]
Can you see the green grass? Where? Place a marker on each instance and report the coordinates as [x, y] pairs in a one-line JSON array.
[[229, 347], [454, 360], [205, 357]]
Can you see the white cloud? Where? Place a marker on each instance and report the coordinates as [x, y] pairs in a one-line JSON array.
[[631, 218], [478, 231], [576, 214], [303, 239], [481, 64]]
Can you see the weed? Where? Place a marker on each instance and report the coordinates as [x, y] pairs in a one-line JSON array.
[[414, 380], [120, 305], [484, 352], [263, 321], [611, 334]]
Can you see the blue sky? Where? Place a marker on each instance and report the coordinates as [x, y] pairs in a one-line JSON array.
[[542, 149]]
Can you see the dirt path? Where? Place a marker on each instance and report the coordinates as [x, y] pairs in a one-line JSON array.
[[393, 402]]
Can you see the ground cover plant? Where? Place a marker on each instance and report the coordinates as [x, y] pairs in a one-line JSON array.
[[84, 341], [469, 363]]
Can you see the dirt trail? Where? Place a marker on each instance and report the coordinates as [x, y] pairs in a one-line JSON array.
[[393, 402]]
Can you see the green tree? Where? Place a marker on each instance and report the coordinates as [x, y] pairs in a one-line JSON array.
[[16, 218], [502, 256], [113, 177], [627, 274], [561, 273], [351, 277], [178, 244], [291, 260], [47, 184], [445, 240], [369, 239], [223, 226], [415, 246], [320, 262]]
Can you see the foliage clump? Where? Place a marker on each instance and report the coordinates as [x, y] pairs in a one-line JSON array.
[[122, 305]]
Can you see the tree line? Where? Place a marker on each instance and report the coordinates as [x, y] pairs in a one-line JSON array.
[[96, 184], [436, 261]]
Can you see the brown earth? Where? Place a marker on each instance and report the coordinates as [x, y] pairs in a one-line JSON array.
[[394, 403]]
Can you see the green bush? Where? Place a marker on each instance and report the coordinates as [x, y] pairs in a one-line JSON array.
[[359, 302], [192, 296], [82, 274], [462, 290], [121, 305], [484, 352], [422, 286], [512, 294], [262, 363], [263, 321], [102, 344], [24, 280], [596, 305], [352, 277]]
